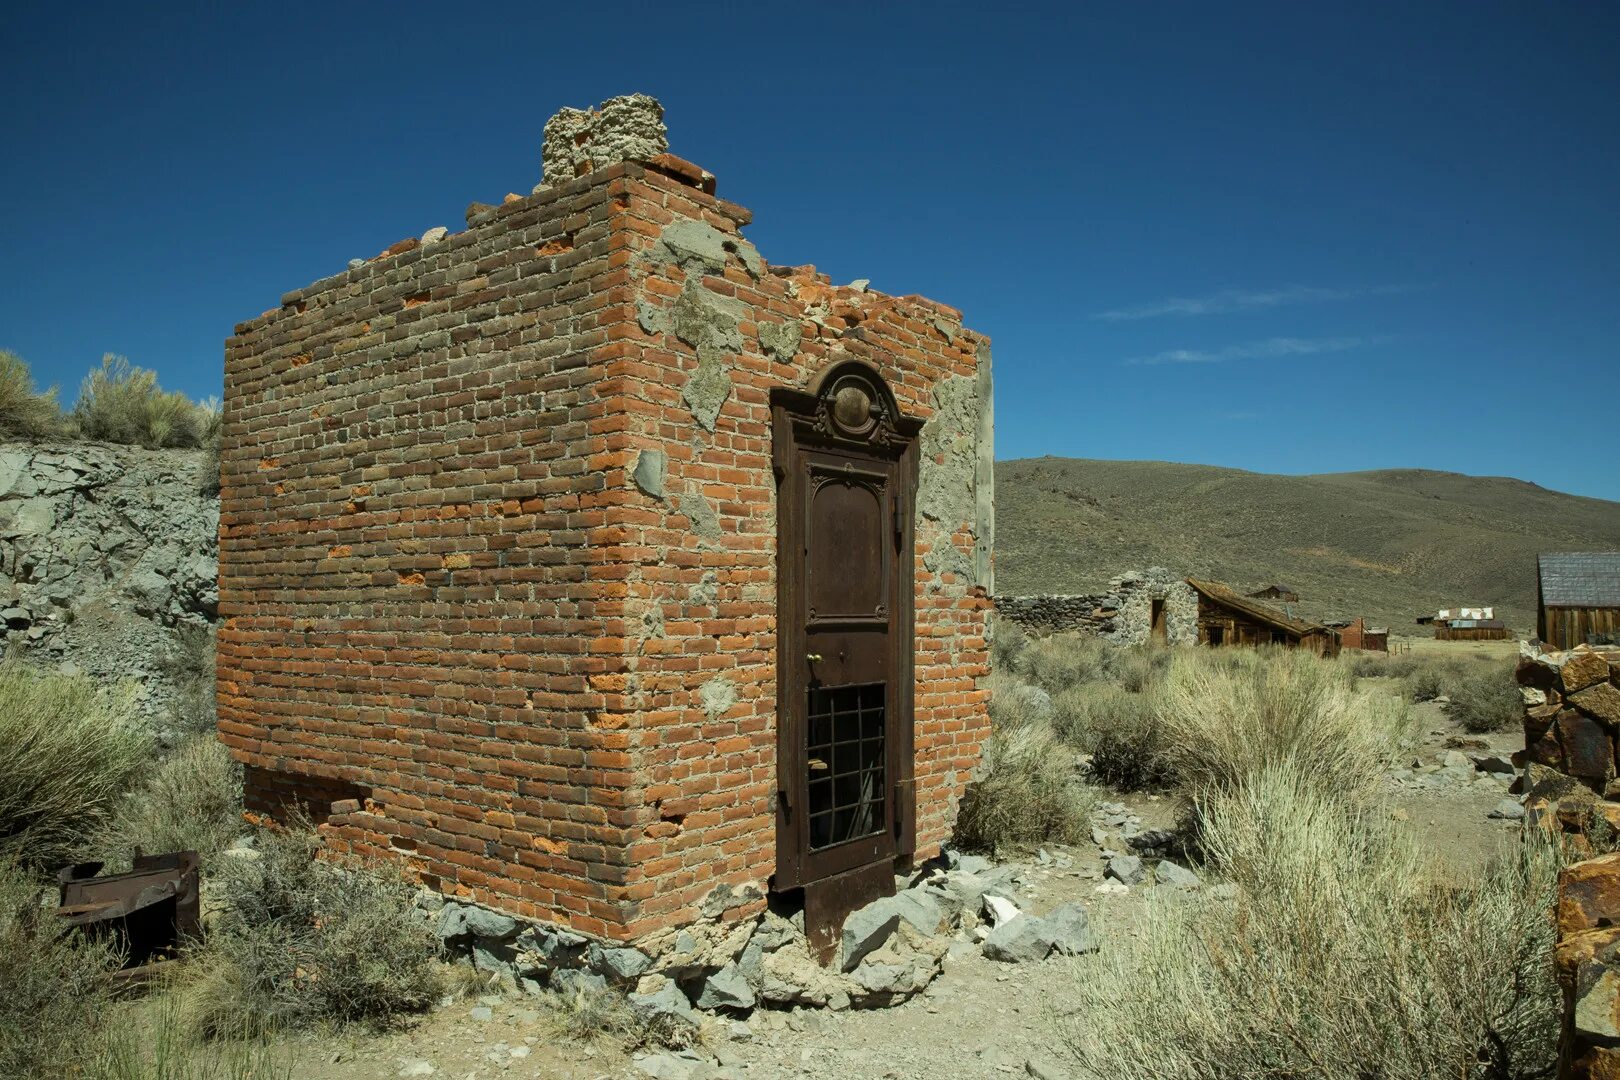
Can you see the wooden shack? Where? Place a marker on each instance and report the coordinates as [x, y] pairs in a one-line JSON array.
[[1471, 630], [1578, 598], [1356, 634], [1227, 618], [1277, 594]]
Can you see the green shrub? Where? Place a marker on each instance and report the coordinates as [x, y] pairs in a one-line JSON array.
[[24, 411], [69, 749], [1485, 697], [1121, 732], [1342, 957], [121, 403], [192, 802], [302, 942], [55, 986], [1030, 792], [1062, 661]]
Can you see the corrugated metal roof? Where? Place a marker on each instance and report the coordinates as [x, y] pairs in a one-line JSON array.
[[1580, 578]]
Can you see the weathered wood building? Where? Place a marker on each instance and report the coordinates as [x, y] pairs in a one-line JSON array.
[[1227, 618], [1356, 634], [1277, 594], [1578, 598]]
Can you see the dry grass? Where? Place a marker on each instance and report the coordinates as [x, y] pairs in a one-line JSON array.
[[1226, 718], [1342, 958], [71, 749], [1030, 792]]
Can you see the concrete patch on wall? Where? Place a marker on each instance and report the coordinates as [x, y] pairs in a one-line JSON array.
[[984, 480], [702, 516], [781, 340], [648, 473], [699, 245], [947, 481], [707, 590], [718, 695]]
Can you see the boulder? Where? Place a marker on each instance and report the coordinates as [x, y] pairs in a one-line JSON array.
[[1021, 940], [1602, 702], [674, 1065], [1583, 668], [1508, 810], [868, 928], [1589, 895], [619, 964], [726, 989], [1126, 869], [666, 1006], [1169, 873], [1070, 929]]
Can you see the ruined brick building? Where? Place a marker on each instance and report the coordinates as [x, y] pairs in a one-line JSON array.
[[607, 574]]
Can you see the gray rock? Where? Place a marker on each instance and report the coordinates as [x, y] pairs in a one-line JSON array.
[[674, 1065], [666, 1005], [435, 234], [727, 988], [973, 864], [1492, 763], [868, 928], [481, 1012], [1169, 873], [1126, 869], [484, 923], [1508, 810], [416, 1067], [1020, 940], [571, 981], [1151, 840], [355, 264], [1069, 927], [619, 964], [921, 908], [1042, 1070]]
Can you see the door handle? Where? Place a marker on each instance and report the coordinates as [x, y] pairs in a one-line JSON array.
[[814, 658]]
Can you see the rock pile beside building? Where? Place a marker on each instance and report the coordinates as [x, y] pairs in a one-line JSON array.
[[1571, 736]]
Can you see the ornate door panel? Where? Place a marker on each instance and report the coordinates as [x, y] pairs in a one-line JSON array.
[[846, 467]]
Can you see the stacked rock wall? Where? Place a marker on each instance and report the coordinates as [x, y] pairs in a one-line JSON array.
[[1571, 717], [1122, 615], [1588, 966]]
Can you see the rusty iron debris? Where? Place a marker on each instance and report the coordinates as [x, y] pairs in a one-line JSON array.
[[149, 911]]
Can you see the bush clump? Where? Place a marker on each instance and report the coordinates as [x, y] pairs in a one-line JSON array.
[[121, 403], [25, 412], [1030, 792], [193, 802], [56, 985], [1485, 697], [301, 942], [1343, 955], [71, 749]]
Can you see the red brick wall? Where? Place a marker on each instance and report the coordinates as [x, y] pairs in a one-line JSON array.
[[443, 594]]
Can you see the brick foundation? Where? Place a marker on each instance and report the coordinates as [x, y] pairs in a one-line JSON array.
[[498, 539]]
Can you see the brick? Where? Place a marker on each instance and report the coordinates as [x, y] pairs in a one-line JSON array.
[[438, 582]]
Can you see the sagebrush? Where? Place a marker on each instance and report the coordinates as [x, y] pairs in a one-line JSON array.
[[301, 942], [25, 411], [119, 402], [71, 748], [192, 801]]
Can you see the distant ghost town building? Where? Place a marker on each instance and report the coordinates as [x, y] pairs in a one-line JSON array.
[[603, 572]]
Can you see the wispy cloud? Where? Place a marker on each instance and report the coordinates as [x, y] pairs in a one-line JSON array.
[[1254, 350], [1230, 300]]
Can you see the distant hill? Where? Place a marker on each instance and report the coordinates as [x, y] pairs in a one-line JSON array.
[[1389, 545]]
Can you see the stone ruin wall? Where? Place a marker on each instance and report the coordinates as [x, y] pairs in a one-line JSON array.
[[498, 547], [1572, 794], [1122, 615]]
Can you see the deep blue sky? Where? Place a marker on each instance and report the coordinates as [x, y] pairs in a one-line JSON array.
[[1289, 238]]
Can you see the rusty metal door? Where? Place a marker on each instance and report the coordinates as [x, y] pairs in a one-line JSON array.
[[846, 467]]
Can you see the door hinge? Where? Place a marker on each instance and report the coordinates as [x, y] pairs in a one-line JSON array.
[[780, 802]]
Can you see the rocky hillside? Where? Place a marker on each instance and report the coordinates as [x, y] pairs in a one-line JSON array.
[[1388, 545], [108, 559]]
